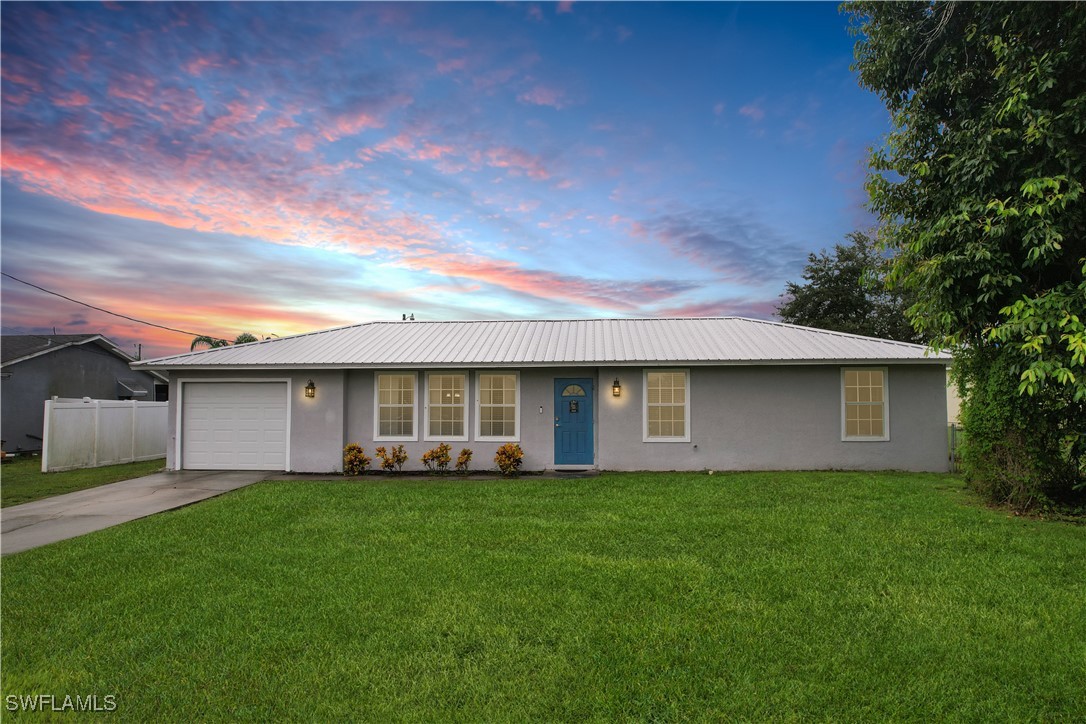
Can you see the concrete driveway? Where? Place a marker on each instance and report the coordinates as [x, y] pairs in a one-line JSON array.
[[66, 516]]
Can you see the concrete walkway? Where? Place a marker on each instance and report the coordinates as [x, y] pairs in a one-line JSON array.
[[66, 516]]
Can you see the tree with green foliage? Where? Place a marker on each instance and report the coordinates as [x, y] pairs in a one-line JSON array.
[[979, 190], [206, 342], [844, 291]]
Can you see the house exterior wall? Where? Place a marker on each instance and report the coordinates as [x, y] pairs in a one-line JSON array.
[[316, 425], [69, 372], [785, 417], [536, 428], [777, 418]]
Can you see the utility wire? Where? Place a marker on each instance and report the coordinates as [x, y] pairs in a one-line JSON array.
[[115, 314]]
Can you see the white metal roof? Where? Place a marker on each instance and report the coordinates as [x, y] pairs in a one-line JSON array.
[[546, 343]]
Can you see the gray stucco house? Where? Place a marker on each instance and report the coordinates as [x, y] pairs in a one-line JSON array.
[[38, 367], [613, 394]]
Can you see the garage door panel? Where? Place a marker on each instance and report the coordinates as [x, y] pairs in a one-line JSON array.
[[234, 425], [250, 413]]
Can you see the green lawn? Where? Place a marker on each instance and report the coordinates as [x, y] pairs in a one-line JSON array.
[[843, 596], [22, 480]]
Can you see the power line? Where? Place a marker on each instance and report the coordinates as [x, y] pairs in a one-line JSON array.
[[91, 306]]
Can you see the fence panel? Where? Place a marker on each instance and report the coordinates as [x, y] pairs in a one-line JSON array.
[[150, 440], [954, 440], [91, 433]]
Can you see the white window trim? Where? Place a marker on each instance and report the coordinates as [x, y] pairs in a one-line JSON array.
[[645, 406], [478, 407], [377, 437], [885, 437], [452, 438]]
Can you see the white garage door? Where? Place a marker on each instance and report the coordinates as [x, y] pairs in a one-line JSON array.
[[234, 426]]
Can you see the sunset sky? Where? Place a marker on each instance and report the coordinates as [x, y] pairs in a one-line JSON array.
[[281, 168]]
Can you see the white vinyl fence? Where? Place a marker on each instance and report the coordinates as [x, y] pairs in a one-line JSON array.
[[90, 433]]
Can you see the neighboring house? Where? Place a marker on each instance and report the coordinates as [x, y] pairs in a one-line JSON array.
[[953, 402], [37, 367], [613, 394]]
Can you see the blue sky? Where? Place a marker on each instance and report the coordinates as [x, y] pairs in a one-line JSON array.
[[279, 168]]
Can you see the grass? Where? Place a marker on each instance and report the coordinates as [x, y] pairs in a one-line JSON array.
[[844, 596], [22, 480]]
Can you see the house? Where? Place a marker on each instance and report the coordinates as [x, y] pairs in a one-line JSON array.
[[613, 394], [38, 367]]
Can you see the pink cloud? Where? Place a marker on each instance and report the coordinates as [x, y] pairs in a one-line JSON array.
[[17, 98], [503, 74], [448, 66], [542, 95], [754, 111], [517, 161], [244, 201], [566, 6], [168, 105], [526, 207], [305, 142], [134, 88], [723, 308], [350, 124], [614, 295], [432, 151], [283, 122], [718, 108], [401, 142], [237, 113], [372, 115], [72, 100], [21, 72], [197, 66], [406, 145]]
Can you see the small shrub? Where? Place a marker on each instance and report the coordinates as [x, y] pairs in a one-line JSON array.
[[355, 461], [509, 458], [392, 459], [438, 459], [463, 461]]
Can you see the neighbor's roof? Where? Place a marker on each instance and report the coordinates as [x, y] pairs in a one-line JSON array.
[[547, 343], [15, 348]]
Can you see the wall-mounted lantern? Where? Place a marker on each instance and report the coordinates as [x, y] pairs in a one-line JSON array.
[[616, 388], [311, 390]]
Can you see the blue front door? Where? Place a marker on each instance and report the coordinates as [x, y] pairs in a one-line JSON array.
[[573, 438]]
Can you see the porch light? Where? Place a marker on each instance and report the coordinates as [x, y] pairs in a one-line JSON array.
[[616, 388], [311, 390]]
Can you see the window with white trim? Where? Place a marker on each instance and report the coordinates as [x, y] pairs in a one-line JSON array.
[[864, 404], [395, 406], [445, 406], [498, 411], [667, 406]]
